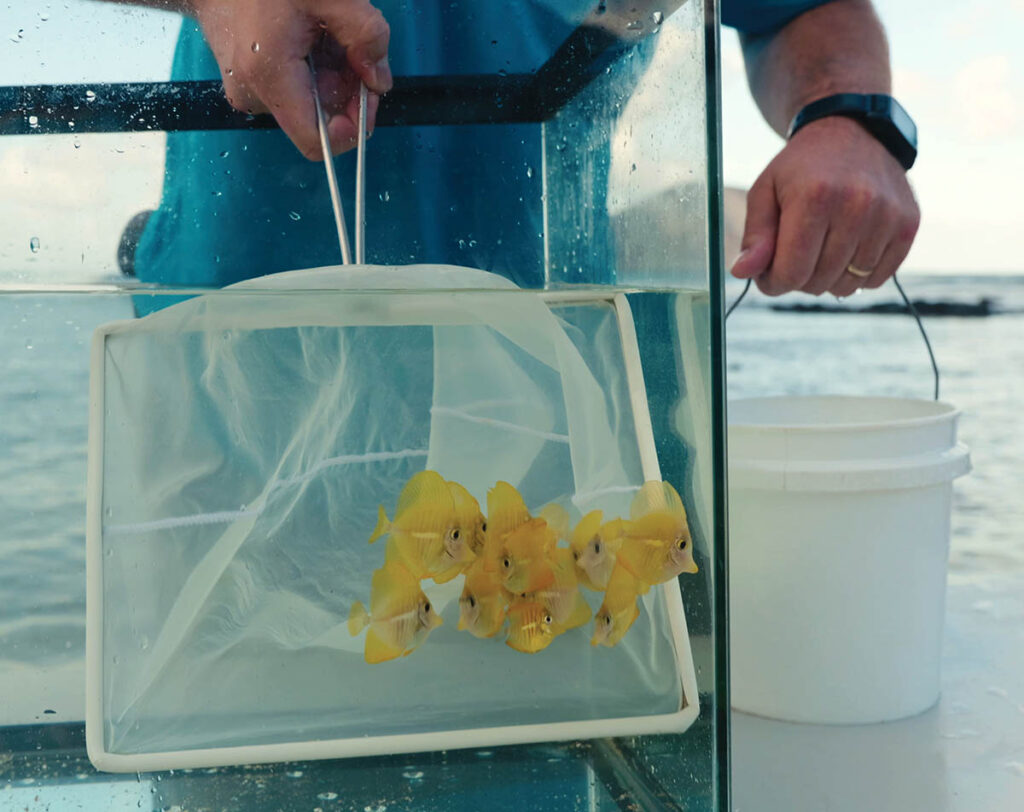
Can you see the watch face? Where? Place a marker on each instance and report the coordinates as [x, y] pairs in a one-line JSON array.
[[903, 122]]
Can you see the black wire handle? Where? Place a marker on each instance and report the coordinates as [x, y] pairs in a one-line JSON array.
[[910, 309]]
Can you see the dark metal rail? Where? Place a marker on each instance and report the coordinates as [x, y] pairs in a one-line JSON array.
[[415, 100]]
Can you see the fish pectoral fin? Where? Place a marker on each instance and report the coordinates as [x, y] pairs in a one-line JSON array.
[[378, 650], [357, 618], [383, 525]]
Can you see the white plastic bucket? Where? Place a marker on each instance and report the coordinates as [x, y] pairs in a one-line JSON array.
[[839, 511]]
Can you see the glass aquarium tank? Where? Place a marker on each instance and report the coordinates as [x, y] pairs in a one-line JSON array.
[[517, 400]]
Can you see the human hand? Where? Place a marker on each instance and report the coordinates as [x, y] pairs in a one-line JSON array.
[[832, 198], [261, 47]]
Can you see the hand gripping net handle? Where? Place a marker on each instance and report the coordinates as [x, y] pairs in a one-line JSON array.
[[332, 178]]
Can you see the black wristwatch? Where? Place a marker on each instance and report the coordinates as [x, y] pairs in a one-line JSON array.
[[880, 115]]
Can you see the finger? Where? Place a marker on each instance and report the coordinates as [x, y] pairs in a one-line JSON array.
[[836, 253], [857, 237], [365, 35], [802, 229], [760, 230], [890, 262], [287, 92], [896, 251], [343, 128]]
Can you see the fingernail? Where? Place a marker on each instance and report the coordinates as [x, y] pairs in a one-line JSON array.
[[382, 72], [739, 257]]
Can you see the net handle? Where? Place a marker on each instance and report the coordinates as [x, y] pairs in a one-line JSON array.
[[332, 178]]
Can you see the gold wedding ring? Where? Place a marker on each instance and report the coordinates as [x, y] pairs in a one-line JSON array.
[[858, 272]]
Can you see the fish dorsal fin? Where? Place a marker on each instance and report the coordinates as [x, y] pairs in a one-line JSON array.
[[427, 488], [466, 507], [557, 518], [580, 613], [392, 590], [587, 528], [660, 527], [506, 509], [656, 496], [378, 650]]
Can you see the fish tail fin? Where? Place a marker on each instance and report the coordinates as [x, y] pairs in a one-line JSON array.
[[358, 618], [383, 525]]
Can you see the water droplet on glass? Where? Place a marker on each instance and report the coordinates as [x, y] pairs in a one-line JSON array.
[[602, 7], [33, 245], [225, 154], [144, 643], [294, 774], [529, 171], [657, 18], [502, 72], [90, 96], [117, 660], [28, 343], [327, 796], [413, 775], [255, 47], [44, 17], [635, 25], [384, 196], [295, 215], [33, 121], [16, 38]]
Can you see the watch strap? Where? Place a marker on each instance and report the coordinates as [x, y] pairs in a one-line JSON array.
[[880, 115]]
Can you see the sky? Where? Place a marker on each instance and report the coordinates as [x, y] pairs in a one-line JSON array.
[[958, 70]]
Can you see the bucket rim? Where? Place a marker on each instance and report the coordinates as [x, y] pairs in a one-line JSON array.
[[947, 412]]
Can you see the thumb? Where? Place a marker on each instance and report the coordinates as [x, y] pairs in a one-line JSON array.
[[760, 231], [364, 34]]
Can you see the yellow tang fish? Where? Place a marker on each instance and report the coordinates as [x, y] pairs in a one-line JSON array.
[[469, 517], [656, 544], [594, 547], [525, 557], [400, 616], [562, 597], [530, 627], [425, 534], [619, 610], [484, 600]]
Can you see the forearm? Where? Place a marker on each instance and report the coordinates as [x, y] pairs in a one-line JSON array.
[[836, 48]]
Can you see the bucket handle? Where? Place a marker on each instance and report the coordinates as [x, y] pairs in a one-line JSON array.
[[910, 309]]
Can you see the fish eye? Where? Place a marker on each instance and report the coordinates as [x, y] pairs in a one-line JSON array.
[[681, 544], [547, 618], [506, 563], [484, 527], [455, 534], [597, 547], [575, 556], [426, 606], [472, 601]]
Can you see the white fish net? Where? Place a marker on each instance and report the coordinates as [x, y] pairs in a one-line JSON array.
[[247, 440]]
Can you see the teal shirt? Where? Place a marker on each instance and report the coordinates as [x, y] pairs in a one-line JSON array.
[[238, 204]]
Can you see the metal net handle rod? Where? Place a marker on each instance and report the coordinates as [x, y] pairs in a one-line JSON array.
[[332, 178]]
